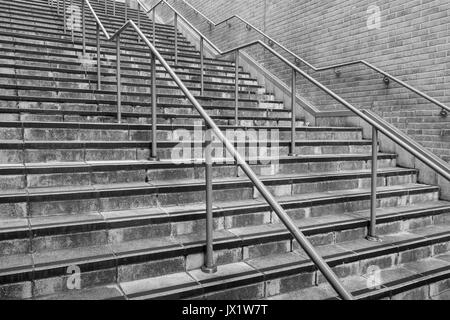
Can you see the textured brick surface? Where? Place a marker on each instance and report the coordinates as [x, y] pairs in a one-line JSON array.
[[411, 44]]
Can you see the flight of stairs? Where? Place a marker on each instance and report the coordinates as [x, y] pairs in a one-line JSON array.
[[79, 193]]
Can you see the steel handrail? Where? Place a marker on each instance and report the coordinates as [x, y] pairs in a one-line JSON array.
[[276, 207], [387, 75], [423, 154]]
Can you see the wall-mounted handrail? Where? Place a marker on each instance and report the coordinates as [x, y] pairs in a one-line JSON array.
[[211, 125], [421, 153], [387, 76]]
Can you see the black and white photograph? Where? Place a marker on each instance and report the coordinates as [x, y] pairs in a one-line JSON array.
[[233, 157]]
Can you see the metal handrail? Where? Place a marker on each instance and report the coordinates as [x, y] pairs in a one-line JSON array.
[[377, 124], [387, 76], [423, 154], [211, 125]]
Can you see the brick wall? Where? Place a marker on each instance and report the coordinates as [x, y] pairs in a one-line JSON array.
[[412, 43]]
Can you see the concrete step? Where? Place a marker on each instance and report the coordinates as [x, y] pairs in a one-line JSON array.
[[130, 85], [34, 175], [43, 8], [73, 177], [62, 47], [33, 19], [14, 76], [128, 42], [70, 94], [95, 198], [37, 109], [72, 110], [250, 278], [31, 70], [424, 279], [34, 25], [120, 227], [79, 193], [12, 58], [45, 12], [166, 91], [17, 151]]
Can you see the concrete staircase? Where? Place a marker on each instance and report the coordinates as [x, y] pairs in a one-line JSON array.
[[79, 193]]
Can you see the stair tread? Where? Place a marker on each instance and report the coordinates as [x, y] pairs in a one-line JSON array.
[[16, 263], [103, 142], [108, 292], [82, 125], [63, 257], [74, 164], [35, 223], [216, 181], [151, 286]]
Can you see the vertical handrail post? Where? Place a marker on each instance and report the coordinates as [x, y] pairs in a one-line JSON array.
[[83, 26], [126, 9], [64, 16], [209, 266], [106, 6], [293, 113], [72, 22], [175, 24], [99, 74], [202, 67], [139, 19], [372, 234], [236, 88], [154, 151], [114, 7], [154, 26], [57, 7], [119, 89]]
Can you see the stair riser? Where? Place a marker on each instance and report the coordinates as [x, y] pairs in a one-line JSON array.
[[181, 152], [33, 180], [127, 69], [167, 119], [273, 246], [74, 55], [26, 45], [17, 182], [132, 92], [292, 283], [77, 78], [132, 98], [91, 202], [35, 23], [108, 59], [66, 134]]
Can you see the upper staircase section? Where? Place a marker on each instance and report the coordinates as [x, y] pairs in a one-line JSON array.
[[43, 56]]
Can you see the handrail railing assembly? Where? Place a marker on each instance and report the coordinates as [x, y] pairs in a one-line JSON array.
[[210, 126], [386, 79], [377, 124]]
